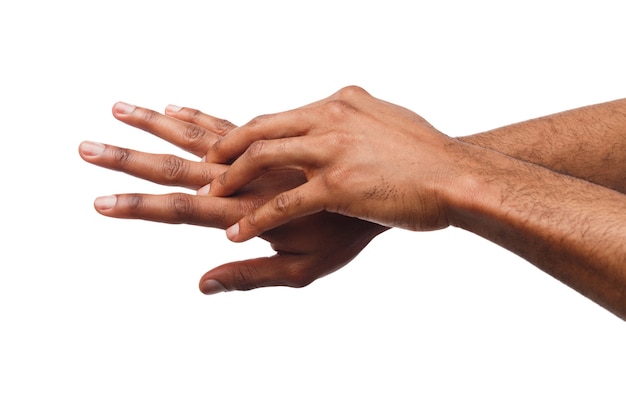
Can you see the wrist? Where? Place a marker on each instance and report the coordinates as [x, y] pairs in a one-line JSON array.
[[471, 192]]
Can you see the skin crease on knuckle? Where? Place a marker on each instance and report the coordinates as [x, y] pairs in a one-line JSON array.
[[255, 152], [257, 121], [182, 207], [146, 117], [223, 126], [122, 157], [132, 204], [244, 279], [284, 202], [195, 116], [174, 169], [194, 136]]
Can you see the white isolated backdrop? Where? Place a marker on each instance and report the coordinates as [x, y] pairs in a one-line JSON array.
[[102, 317]]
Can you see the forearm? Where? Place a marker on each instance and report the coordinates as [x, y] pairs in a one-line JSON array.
[[379, 162], [570, 228], [587, 143]]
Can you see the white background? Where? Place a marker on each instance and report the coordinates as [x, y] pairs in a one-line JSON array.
[[102, 317]]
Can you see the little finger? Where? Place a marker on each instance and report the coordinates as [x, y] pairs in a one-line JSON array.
[[187, 136]]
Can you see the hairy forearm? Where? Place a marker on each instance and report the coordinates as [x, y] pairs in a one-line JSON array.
[[570, 228], [587, 143]]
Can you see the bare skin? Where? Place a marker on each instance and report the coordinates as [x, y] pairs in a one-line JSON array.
[[586, 143], [306, 249], [543, 189]]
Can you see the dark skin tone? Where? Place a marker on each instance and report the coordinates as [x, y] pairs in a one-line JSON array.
[[553, 198], [548, 189], [306, 249]]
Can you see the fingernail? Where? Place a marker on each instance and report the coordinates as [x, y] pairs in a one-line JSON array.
[[105, 203], [123, 108], [91, 148], [232, 231], [204, 190], [211, 286], [171, 108]]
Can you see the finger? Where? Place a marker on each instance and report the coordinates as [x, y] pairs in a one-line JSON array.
[[218, 126], [187, 136], [284, 207], [281, 125], [173, 208], [269, 155], [291, 270], [161, 169]]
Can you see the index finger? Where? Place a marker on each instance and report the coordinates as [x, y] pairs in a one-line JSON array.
[[291, 123]]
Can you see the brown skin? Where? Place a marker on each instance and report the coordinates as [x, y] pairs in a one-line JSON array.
[[546, 189], [307, 248], [586, 143]]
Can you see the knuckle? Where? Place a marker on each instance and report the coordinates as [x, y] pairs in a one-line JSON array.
[[122, 156], [223, 126], [282, 203], [351, 92], [206, 174], [147, 116], [134, 202], [194, 115], [222, 180], [336, 178], [258, 120], [253, 220], [194, 136], [182, 206], [243, 279], [338, 109], [173, 169], [256, 150]]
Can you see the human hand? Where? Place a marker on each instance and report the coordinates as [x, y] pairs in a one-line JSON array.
[[306, 249], [362, 157]]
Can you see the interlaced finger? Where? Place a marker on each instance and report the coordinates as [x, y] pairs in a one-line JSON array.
[[269, 155], [274, 126], [289, 205], [190, 137], [161, 169], [216, 125], [175, 208]]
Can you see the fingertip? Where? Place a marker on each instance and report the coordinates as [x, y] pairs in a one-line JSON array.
[[232, 233], [172, 108], [105, 203], [121, 109], [88, 148], [204, 190], [211, 286]]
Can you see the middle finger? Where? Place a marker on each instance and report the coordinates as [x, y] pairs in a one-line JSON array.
[[161, 169]]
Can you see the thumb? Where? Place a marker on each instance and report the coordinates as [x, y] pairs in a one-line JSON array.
[[292, 270]]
